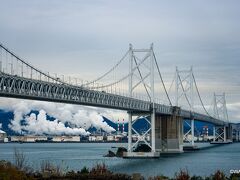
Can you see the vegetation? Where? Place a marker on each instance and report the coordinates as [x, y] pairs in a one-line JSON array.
[[20, 171]]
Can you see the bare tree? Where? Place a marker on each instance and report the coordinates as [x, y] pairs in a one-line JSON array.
[[20, 159]]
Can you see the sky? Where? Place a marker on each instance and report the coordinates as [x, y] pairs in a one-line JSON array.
[[86, 38]]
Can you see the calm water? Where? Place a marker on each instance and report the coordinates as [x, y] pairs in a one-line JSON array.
[[76, 155]]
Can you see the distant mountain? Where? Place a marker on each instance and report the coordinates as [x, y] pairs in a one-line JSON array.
[[5, 118], [199, 127], [140, 125]]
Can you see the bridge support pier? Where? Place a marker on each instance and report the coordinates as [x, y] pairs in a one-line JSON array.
[[192, 131], [166, 135], [222, 134], [235, 132], [229, 132], [169, 134], [129, 132], [145, 140], [190, 141], [237, 135]]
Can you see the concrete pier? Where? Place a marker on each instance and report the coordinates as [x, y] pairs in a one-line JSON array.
[[166, 137], [169, 133], [223, 134]]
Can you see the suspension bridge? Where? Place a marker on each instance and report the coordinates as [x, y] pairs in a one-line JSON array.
[[134, 84]]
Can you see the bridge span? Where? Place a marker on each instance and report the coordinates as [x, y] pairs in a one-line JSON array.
[[17, 80]]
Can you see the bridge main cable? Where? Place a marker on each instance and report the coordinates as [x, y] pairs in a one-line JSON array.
[[200, 96], [35, 69], [160, 75], [108, 72]]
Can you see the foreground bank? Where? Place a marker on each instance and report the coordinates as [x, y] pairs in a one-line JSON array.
[[48, 171], [74, 156]]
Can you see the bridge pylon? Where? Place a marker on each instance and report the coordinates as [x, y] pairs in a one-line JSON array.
[[184, 88], [223, 133], [141, 70]]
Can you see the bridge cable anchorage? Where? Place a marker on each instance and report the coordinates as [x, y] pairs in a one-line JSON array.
[[109, 71], [160, 75], [125, 77], [30, 66], [200, 96]]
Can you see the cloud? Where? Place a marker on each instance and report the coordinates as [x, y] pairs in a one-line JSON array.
[[233, 108], [76, 116], [0, 125], [38, 124]]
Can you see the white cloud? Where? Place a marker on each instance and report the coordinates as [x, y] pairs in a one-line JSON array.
[[77, 116], [0, 125], [40, 125]]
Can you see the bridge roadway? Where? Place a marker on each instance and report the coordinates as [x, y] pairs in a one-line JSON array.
[[13, 86]]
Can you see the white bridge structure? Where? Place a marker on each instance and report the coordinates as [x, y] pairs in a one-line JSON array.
[[134, 84]]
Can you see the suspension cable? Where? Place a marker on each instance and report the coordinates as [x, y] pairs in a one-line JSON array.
[[200, 96], [160, 75], [28, 65], [111, 84], [109, 71], [125, 77], [174, 77]]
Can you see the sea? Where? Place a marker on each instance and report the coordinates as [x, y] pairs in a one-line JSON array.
[[74, 156]]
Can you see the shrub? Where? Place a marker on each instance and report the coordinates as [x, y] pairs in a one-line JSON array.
[[100, 169], [20, 160], [49, 169], [197, 178], [160, 177], [219, 175], [182, 175], [235, 176], [84, 170], [9, 172]]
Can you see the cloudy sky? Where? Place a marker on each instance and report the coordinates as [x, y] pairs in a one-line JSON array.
[[86, 38]]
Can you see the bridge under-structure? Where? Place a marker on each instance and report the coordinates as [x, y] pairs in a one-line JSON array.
[[166, 121]]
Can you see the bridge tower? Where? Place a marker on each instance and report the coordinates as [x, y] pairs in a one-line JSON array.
[[184, 84], [141, 70], [222, 134]]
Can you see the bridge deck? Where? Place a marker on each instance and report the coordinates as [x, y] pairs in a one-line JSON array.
[[24, 88]]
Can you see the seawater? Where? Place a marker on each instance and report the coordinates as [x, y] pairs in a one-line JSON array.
[[74, 156]]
